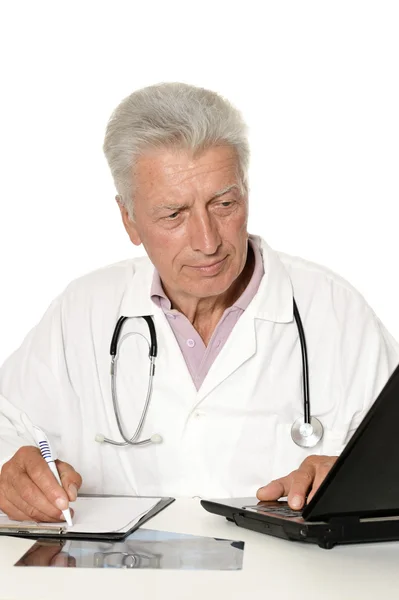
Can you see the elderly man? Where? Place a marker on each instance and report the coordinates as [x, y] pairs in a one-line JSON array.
[[228, 380]]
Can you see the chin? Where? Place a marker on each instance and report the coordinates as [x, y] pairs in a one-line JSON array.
[[207, 287]]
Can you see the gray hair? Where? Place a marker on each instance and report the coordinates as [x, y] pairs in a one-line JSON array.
[[170, 115]]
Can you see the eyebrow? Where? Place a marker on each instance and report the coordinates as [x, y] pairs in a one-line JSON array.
[[225, 191], [175, 207]]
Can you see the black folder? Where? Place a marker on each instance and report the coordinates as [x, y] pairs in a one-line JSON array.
[[27, 529]]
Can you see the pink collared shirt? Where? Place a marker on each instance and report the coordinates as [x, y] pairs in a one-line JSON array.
[[199, 358]]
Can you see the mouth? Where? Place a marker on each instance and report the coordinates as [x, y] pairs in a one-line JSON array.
[[210, 269]]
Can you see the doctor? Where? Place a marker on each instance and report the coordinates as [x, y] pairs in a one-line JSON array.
[[227, 385]]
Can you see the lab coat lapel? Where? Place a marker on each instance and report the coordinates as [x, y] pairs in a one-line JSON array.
[[273, 302], [136, 301], [238, 348]]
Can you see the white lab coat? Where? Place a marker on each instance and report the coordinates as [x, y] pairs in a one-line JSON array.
[[233, 435]]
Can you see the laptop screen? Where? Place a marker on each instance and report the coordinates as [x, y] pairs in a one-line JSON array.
[[364, 481]]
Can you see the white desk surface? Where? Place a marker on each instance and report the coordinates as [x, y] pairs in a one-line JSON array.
[[272, 569]]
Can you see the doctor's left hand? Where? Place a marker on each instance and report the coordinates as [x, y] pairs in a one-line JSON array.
[[300, 485]]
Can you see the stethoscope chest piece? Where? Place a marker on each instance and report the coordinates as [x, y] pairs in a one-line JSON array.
[[307, 435]]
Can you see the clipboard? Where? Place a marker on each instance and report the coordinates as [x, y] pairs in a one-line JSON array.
[[27, 529]]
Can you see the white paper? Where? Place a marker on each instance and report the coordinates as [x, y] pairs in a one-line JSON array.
[[101, 515]]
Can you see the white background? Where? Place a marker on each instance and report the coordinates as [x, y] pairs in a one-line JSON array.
[[318, 83]]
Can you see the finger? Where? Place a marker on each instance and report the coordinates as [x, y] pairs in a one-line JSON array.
[[51, 492], [29, 499], [71, 480], [29, 460], [16, 514], [301, 482], [275, 489], [321, 473], [12, 511]]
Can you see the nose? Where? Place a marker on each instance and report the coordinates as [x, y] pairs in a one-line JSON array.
[[204, 233]]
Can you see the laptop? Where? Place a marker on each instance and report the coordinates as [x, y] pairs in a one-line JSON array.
[[358, 501]]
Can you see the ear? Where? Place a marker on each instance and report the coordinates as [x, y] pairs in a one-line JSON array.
[[130, 225]]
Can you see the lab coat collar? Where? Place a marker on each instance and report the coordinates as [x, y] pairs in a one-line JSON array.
[[272, 302], [274, 298], [136, 301]]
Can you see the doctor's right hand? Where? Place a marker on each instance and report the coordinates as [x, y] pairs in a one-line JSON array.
[[30, 492]]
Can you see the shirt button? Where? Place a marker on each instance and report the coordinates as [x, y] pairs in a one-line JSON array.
[[190, 343], [218, 343]]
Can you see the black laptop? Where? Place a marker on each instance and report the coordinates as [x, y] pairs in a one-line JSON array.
[[357, 502]]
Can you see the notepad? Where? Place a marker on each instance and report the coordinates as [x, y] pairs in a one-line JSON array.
[[100, 515], [94, 516]]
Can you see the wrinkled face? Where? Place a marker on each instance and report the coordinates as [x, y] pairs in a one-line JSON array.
[[191, 217]]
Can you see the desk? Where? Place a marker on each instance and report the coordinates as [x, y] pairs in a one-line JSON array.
[[273, 569]]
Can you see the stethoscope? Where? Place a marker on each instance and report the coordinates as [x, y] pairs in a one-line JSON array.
[[306, 431]]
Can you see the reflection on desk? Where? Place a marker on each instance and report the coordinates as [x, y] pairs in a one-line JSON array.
[[144, 549]]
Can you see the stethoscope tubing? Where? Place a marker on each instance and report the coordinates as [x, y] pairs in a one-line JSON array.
[[303, 436], [305, 366]]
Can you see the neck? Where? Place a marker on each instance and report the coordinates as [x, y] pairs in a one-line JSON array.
[[205, 313]]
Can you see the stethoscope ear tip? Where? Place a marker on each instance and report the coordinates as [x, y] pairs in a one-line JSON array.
[[156, 438], [100, 438]]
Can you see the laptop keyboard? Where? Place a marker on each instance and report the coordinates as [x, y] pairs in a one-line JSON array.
[[284, 511]]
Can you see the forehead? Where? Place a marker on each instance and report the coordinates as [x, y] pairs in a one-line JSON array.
[[175, 169]]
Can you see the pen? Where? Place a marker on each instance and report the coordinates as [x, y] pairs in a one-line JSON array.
[[47, 454]]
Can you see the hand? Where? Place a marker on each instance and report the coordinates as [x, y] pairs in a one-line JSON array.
[[30, 492], [301, 484]]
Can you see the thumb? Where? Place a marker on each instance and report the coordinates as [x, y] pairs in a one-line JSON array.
[[71, 480], [274, 490]]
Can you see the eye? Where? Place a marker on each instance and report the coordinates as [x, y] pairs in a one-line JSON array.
[[173, 216], [226, 204]]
